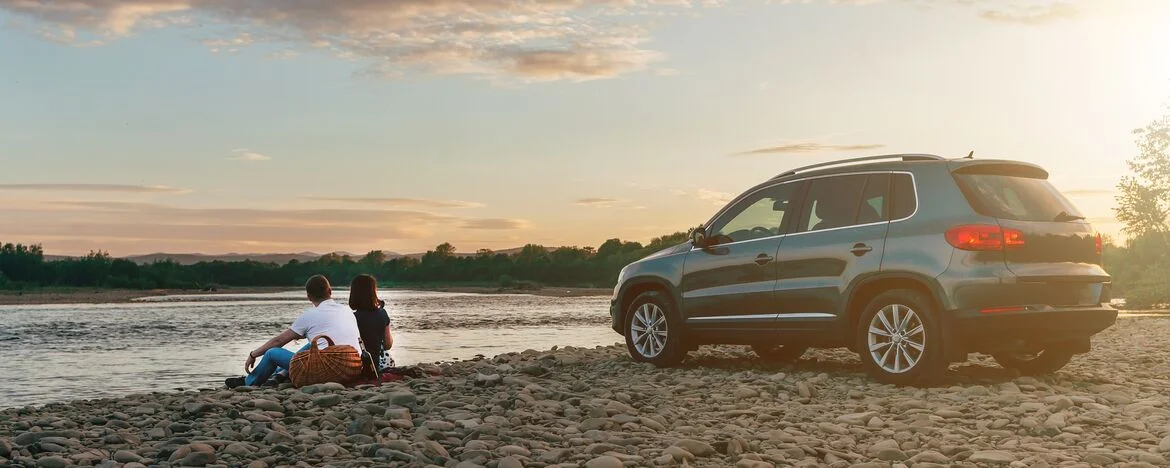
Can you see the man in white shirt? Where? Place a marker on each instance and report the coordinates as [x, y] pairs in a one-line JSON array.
[[327, 317]]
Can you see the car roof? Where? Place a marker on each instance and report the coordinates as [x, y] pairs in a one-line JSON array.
[[908, 161]]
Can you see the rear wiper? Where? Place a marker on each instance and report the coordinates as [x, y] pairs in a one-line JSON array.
[[1065, 217]]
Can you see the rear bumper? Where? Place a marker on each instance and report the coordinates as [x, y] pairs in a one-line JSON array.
[[1038, 327]]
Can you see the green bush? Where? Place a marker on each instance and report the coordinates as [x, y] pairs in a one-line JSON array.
[[507, 281]]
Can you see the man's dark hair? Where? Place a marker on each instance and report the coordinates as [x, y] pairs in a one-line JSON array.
[[318, 288]]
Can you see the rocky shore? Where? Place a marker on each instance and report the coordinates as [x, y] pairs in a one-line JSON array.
[[595, 408]]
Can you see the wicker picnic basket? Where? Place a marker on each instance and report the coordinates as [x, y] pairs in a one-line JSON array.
[[335, 363]]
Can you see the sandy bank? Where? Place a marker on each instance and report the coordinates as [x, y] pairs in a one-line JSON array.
[[596, 408], [114, 296]]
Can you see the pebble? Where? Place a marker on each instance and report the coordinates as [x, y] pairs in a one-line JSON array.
[[992, 457], [326, 401]]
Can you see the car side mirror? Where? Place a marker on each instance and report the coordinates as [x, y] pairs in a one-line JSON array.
[[699, 237]]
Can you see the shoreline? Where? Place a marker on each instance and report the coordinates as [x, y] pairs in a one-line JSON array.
[[64, 296], [595, 407]]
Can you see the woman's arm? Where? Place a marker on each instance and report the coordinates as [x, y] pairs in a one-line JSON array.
[[389, 341]]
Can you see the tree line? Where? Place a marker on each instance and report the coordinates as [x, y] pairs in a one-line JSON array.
[[24, 267]]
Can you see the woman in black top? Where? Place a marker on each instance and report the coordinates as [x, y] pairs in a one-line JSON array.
[[372, 319]]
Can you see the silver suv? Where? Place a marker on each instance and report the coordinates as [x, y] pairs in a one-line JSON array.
[[912, 261]]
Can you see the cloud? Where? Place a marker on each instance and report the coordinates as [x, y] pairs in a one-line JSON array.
[[404, 202], [531, 41], [597, 202], [715, 197], [495, 224], [116, 188], [164, 227], [1089, 193], [244, 154], [606, 202], [809, 147], [1032, 15], [501, 40]]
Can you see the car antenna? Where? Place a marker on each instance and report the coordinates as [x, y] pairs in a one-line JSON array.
[[971, 155]]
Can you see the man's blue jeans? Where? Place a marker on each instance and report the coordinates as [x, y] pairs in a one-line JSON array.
[[274, 360]]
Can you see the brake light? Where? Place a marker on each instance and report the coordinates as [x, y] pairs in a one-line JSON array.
[[984, 237], [1100, 244]]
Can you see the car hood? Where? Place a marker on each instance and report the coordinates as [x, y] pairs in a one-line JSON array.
[[683, 247]]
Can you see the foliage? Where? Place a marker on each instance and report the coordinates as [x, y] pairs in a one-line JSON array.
[[1144, 203], [531, 267], [1141, 269]]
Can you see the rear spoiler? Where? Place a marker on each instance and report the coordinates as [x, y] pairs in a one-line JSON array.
[[998, 167]]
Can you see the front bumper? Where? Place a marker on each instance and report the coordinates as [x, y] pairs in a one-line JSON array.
[[1038, 327]]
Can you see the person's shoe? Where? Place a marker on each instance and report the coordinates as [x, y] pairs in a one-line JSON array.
[[233, 382], [279, 379]]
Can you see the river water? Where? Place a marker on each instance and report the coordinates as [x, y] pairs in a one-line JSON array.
[[52, 353]]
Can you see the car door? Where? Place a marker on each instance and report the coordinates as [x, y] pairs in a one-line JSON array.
[[728, 284], [839, 235]]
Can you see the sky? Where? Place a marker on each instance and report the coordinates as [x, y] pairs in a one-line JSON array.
[[219, 126]]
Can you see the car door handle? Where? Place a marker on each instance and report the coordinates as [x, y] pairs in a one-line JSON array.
[[764, 259], [861, 249]]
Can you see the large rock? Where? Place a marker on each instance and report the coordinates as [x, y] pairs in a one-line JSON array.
[[696, 447], [198, 459], [53, 462], [605, 461], [126, 456], [749, 463]]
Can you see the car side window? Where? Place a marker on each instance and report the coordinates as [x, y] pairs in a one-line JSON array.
[[832, 202], [904, 201], [758, 216], [874, 200]]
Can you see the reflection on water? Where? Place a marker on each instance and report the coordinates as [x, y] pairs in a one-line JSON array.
[[64, 352]]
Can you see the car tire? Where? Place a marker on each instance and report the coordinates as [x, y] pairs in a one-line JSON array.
[[779, 353], [906, 351], [1045, 362], [654, 331]]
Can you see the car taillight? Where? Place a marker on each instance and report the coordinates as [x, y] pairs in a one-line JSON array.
[[1100, 244], [984, 237]]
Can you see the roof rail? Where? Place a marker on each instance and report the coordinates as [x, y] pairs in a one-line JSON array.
[[903, 157]]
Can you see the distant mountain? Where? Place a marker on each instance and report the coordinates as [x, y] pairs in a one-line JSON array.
[[278, 258], [512, 251], [193, 258]]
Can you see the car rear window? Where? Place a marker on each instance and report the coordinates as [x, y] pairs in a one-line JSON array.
[[1014, 197]]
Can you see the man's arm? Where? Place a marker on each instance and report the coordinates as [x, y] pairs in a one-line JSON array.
[[276, 342]]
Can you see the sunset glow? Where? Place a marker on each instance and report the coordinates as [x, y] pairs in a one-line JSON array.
[[265, 126]]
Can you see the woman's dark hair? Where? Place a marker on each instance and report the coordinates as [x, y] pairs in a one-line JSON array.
[[363, 293]]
